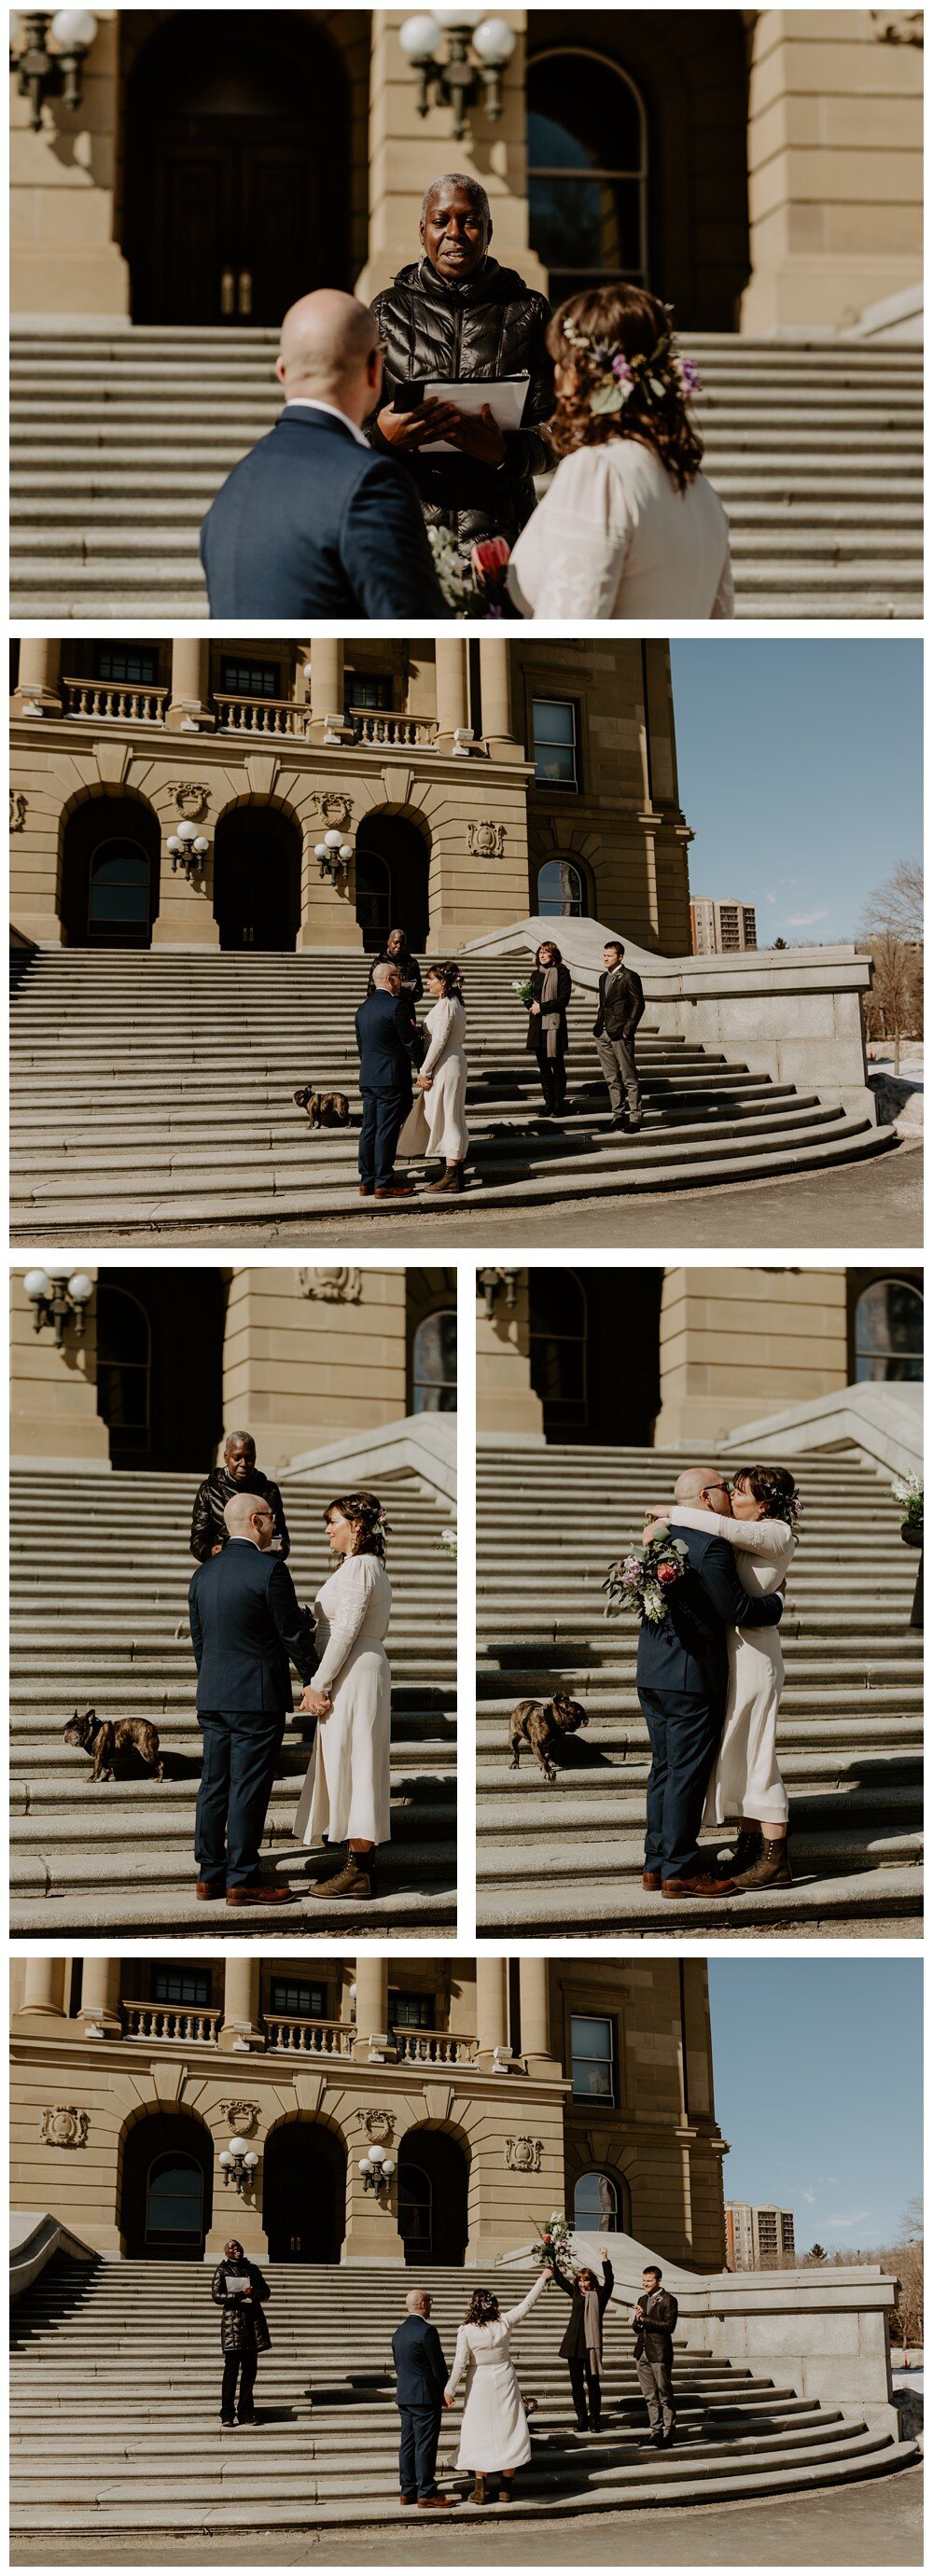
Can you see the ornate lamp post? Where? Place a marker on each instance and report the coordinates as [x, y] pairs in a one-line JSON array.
[[377, 2169], [59, 1301], [42, 74], [238, 2164], [493, 1283], [333, 856], [187, 849], [456, 80]]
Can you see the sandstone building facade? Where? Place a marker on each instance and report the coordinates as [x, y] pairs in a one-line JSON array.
[[474, 784], [760, 168], [499, 2089]]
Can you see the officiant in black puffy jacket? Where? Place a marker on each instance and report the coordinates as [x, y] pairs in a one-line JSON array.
[[454, 314]]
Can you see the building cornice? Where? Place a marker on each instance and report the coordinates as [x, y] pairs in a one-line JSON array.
[[64, 734]]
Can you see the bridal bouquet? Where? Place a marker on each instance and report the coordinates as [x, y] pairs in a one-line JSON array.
[[908, 1491], [555, 2239], [448, 1541], [641, 1582], [477, 588], [524, 987]]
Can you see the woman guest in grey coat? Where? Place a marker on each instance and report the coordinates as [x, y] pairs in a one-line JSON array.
[[582, 2347], [238, 2289]]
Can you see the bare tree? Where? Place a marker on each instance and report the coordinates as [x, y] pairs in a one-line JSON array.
[[892, 932]]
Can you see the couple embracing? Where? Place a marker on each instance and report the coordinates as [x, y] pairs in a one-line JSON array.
[[710, 1674]]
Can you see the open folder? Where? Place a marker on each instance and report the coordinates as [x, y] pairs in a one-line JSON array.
[[505, 396]]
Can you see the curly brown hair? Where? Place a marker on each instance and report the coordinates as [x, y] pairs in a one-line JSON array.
[[450, 978], [369, 1527], [773, 1486], [483, 2308], [625, 321]]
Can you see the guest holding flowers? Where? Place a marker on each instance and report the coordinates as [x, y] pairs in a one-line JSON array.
[[549, 988], [630, 527]]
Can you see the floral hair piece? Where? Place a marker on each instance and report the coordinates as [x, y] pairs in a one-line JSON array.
[[654, 373]]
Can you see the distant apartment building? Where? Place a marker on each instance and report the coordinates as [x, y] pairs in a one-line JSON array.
[[757, 2240], [716, 927]]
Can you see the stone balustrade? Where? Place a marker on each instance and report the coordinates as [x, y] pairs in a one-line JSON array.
[[114, 702], [435, 2047], [197, 2027], [260, 715], [309, 2038], [383, 727]]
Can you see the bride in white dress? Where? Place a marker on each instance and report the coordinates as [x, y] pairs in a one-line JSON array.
[[437, 1124], [494, 2434], [630, 527], [346, 1790], [745, 1782]]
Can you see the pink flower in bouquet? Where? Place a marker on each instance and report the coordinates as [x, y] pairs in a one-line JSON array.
[[668, 1572], [490, 558]]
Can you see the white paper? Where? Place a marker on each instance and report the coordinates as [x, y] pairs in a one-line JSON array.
[[506, 402]]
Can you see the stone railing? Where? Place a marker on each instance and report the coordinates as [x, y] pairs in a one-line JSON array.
[[260, 715], [379, 725], [309, 2038], [113, 702], [198, 2028], [435, 2047]]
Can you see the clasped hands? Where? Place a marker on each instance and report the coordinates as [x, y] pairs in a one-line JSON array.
[[479, 437], [314, 1703], [423, 1081]]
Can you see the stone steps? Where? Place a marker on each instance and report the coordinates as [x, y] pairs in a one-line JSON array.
[[118, 1856], [325, 2448], [850, 1738], [774, 417]]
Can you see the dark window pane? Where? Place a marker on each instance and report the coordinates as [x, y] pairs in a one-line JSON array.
[[296, 1997], [412, 2012], [175, 2198], [560, 890], [582, 115], [889, 1333], [250, 679], [434, 1364], [181, 1985], [137, 664], [596, 2204]]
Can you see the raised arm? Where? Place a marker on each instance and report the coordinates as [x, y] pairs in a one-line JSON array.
[[357, 1580], [752, 1538], [560, 2281], [510, 2316], [720, 1577], [461, 2357]]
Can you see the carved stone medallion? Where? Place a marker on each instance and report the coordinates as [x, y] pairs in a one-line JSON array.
[[523, 2155], [379, 2126], [63, 2126], [333, 807], [486, 840], [335, 1287], [190, 799], [18, 810], [242, 2118]]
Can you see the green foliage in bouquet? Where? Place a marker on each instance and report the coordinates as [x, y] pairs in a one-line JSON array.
[[908, 1491], [555, 2239]]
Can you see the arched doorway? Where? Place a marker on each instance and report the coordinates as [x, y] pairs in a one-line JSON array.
[[560, 892], [433, 2196], [391, 879], [160, 1366], [110, 874], [304, 2193], [257, 878], [587, 171], [237, 159], [166, 2182], [602, 2204], [595, 1351]]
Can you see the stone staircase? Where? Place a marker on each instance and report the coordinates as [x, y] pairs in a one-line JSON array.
[[566, 1858], [98, 1616], [132, 1116], [115, 2389], [119, 445]]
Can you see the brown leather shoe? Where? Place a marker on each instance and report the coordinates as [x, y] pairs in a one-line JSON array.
[[273, 1894], [208, 1888], [365, 1190], [651, 1881], [698, 1887], [445, 2501], [396, 1190]]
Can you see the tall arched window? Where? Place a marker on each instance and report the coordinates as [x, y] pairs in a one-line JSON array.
[[561, 891], [119, 890], [889, 1332], [587, 171], [599, 2205], [558, 1329], [415, 2207], [373, 899], [434, 1363], [124, 1368], [175, 2201]]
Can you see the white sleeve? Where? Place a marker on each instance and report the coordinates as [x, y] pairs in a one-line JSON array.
[[461, 2357], [724, 602], [580, 540], [510, 2316], [356, 1579], [442, 1020], [749, 1538]]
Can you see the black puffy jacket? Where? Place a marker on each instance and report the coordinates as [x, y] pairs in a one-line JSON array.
[[243, 2327], [208, 1526], [494, 325]]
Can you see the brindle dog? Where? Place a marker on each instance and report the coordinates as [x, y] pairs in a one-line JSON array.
[[107, 1739], [323, 1108], [541, 1725]]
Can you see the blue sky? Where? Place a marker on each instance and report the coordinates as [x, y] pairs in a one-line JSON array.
[[817, 2066], [800, 774]]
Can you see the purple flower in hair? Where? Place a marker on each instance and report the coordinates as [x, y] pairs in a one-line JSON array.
[[621, 369], [601, 353], [690, 376]]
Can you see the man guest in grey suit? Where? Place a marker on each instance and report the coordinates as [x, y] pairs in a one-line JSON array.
[[246, 1629], [654, 2320], [621, 1006]]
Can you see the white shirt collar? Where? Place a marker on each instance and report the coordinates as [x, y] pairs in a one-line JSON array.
[[304, 402]]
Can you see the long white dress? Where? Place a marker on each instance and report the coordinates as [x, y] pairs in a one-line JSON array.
[[346, 1789], [494, 2432], [745, 1780], [613, 537], [437, 1124]]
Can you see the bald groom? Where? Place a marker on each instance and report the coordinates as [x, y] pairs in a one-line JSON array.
[[312, 523]]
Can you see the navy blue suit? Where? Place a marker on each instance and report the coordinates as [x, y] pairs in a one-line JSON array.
[[683, 1675], [247, 1630], [386, 1042], [310, 524], [420, 2380]]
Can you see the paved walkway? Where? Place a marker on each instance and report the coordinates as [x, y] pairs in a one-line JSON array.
[[863, 1206], [875, 2523]]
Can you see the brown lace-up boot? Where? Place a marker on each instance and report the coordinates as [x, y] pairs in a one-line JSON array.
[[747, 1851], [772, 1867], [357, 1878]]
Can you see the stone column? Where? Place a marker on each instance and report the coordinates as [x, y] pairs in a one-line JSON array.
[[535, 1993], [450, 662], [326, 719], [38, 683], [496, 683], [188, 704], [241, 2003], [492, 2008], [372, 2010], [44, 1987], [100, 1997]]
